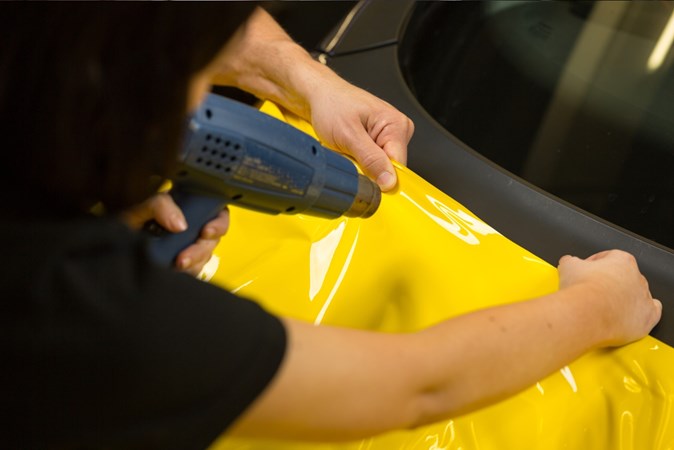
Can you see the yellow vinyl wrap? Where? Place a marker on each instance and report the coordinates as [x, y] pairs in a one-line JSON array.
[[423, 258]]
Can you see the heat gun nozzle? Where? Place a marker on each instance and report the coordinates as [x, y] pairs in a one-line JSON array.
[[367, 198]]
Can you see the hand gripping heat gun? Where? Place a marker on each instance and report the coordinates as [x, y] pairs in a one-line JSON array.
[[234, 153]]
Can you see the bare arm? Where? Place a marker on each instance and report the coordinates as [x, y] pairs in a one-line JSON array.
[[262, 59], [339, 384]]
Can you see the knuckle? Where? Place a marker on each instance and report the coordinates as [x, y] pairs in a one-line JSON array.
[[410, 127], [630, 258]]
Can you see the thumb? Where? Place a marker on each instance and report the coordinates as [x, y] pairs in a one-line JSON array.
[[373, 159]]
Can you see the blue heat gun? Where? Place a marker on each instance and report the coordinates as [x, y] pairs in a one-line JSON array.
[[234, 153]]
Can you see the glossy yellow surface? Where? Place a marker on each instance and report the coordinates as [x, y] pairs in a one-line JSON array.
[[420, 259]]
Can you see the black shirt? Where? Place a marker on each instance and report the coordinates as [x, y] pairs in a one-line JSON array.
[[102, 349]]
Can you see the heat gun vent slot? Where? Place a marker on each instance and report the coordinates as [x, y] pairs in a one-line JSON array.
[[219, 153]]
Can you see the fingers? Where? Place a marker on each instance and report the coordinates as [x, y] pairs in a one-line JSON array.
[[163, 209], [617, 261], [611, 254], [655, 315], [601, 255], [616, 265], [390, 130], [365, 127], [658, 311], [372, 159], [396, 151], [166, 213], [390, 133], [194, 257], [567, 259], [159, 207], [626, 306], [374, 146], [217, 227]]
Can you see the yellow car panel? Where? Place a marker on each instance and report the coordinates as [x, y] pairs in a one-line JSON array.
[[423, 258]]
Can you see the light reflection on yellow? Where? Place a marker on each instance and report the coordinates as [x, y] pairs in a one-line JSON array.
[[422, 258]]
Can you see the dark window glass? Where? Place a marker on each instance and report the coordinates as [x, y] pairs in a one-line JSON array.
[[575, 97]]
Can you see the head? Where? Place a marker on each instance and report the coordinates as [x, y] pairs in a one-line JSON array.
[[94, 96]]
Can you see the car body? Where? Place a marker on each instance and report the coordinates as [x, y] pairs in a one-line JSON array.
[[469, 233], [477, 65], [420, 259]]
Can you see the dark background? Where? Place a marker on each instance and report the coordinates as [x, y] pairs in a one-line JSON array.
[[308, 22]]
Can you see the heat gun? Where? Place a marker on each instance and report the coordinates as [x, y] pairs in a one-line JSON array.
[[234, 153]]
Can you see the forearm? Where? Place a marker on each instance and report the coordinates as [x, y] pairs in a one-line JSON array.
[[492, 354], [351, 384], [346, 384], [266, 62], [263, 60]]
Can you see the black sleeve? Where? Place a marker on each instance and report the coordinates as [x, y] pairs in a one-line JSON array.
[[196, 357], [117, 353]]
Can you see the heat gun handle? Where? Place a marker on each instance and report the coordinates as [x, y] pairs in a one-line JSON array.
[[198, 209]]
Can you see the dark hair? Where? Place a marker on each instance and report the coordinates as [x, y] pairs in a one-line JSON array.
[[93, 96]]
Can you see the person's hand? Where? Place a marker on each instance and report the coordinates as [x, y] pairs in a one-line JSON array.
[[163, 209], [357, 123], [262, 59], [627, 310]]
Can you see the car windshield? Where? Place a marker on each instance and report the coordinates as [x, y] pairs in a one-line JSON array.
[[575, 97]]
